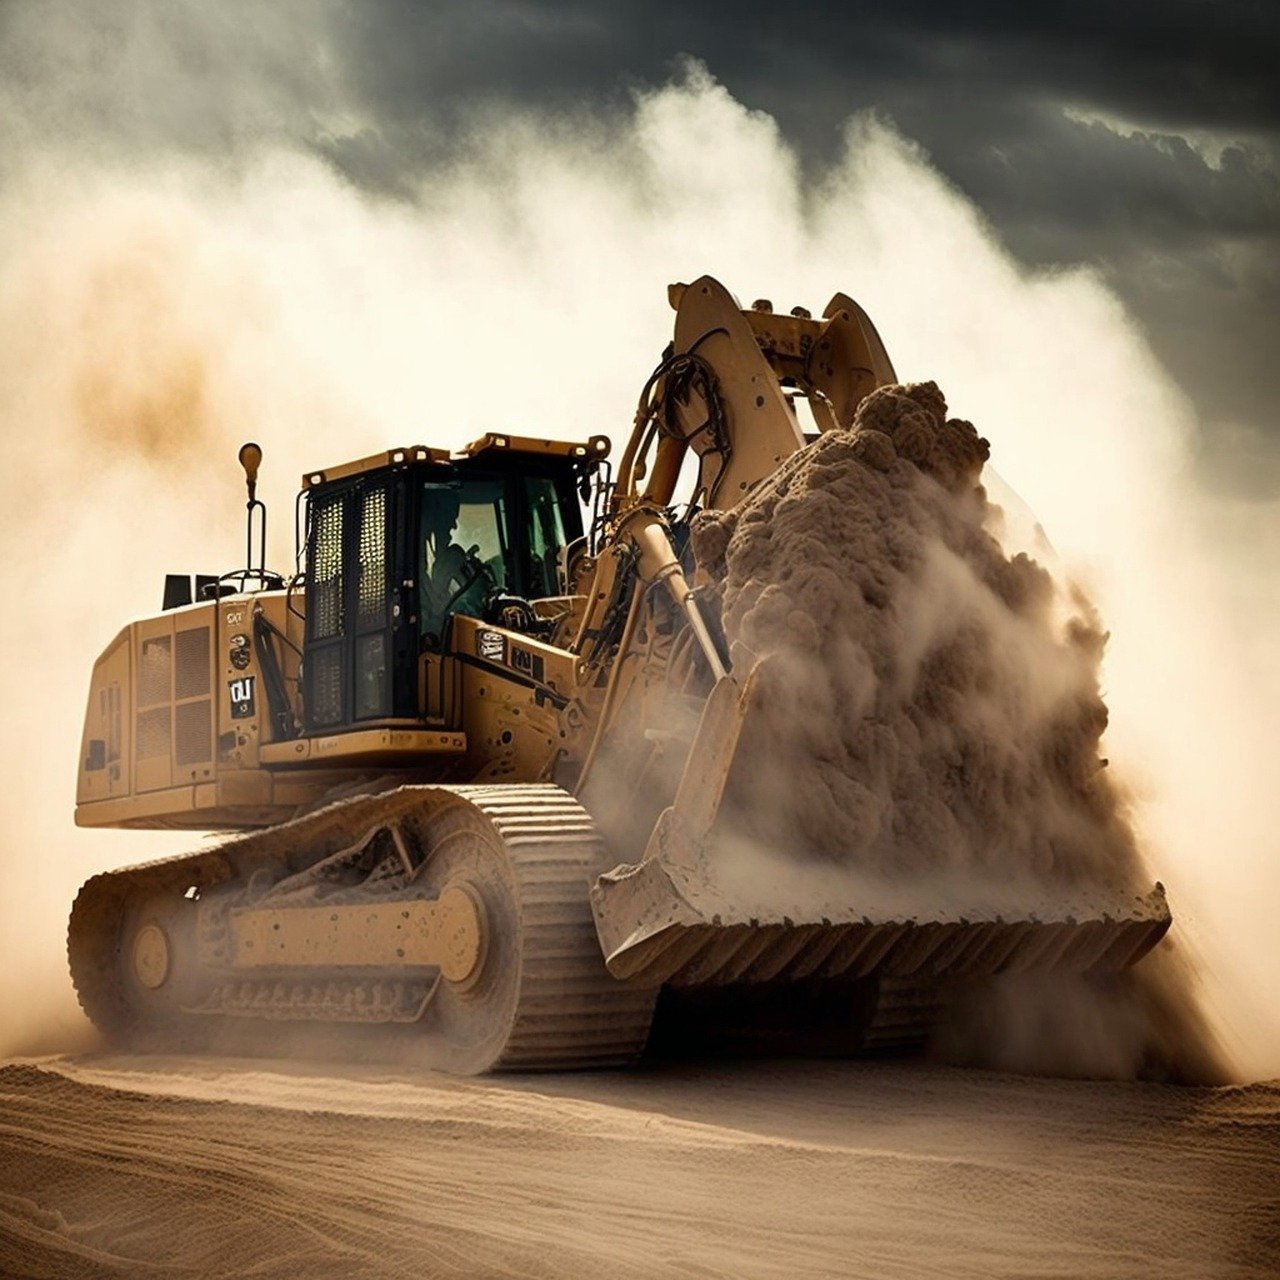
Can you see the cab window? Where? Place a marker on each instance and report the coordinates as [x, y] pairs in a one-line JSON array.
[[465, 555], [546, 535]]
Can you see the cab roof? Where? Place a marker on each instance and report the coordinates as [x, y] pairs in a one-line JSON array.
[[595, 449]]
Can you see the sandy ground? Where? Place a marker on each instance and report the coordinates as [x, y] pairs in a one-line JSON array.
[[137, 1167]]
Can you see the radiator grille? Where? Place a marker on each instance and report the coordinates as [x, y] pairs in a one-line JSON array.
[[193, 732], [153, 734], [371, 610], [191, 664], [155, 666], [324, 590]]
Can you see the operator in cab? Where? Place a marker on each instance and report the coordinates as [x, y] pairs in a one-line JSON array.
[[453, 580]]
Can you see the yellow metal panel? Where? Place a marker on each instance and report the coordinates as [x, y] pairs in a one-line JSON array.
[[762, 429], [236, 661], [244, 787], [375, 744], [447, 933], [106, 748], [523, 656], [151, 804]]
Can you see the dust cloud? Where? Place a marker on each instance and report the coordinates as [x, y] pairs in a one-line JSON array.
[[160, 305], [933, 716]]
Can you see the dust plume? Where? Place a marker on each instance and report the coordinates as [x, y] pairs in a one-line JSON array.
[[160, 303], [933, 716]]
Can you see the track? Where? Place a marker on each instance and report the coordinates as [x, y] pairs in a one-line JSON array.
[[545, 1001], [571, 1012]]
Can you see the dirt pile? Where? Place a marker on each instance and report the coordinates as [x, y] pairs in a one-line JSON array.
[[942, 696], [934, 713]]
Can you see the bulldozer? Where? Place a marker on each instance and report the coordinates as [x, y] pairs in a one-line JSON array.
[[468, 762]]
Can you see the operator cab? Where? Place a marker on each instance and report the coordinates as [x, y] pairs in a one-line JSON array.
[[400, 543], [488, 533]]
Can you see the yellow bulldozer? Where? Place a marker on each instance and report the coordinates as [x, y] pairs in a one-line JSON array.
[[474, 752]]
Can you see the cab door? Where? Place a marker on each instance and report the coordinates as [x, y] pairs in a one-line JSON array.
[[359, 661]]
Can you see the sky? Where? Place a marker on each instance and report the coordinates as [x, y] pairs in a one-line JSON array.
[[341, 227], [1141, 142]]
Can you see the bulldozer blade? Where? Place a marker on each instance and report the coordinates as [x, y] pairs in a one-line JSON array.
[[699, 909], [665, 922]]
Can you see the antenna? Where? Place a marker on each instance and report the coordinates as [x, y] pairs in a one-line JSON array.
[[251, 459]]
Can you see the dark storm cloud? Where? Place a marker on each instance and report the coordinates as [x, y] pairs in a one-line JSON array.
[[1142, 140], [1072, 126], [1183, 63]]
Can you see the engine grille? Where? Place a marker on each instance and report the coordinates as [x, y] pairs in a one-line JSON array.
[[155, 671], [153, 733], [193, 732], [192, 664]]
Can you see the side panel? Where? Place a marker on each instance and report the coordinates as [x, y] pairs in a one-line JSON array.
[[178, 711], [243, 707], [106, 750], [513, 690]]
